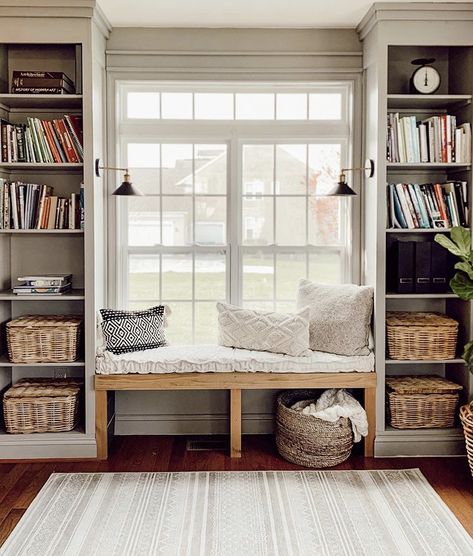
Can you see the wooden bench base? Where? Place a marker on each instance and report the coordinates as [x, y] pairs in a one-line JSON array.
[[235, 383]]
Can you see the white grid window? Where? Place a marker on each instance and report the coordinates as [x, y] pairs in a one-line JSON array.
[[230, 175]]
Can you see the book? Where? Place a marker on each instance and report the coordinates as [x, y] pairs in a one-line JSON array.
[[45, 279], [33, 74], [41, 83], [39, 91], [37, 290]]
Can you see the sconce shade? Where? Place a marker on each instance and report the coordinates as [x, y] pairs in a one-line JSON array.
[[341, 189], [127, 189]]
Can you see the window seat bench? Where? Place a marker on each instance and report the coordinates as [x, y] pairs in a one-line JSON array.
[[214, 367]]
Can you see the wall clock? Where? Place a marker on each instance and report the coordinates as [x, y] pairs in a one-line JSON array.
[[425, 79]]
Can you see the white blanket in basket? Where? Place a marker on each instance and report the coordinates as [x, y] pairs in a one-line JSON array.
[[332, 405]]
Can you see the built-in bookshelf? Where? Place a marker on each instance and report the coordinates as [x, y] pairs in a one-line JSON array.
[[74, 249], [388, 54]]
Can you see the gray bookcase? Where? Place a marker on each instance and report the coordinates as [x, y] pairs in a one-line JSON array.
[[58, 40], [393, 35]]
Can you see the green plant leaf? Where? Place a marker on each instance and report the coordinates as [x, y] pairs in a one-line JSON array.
[[446, 242], [465, 267], [462, 286], [467, 355], [461, 237]]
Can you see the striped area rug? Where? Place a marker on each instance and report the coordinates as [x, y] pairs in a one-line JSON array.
[[254, 513]]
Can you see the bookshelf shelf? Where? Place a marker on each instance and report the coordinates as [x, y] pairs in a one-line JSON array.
[[428, 102], [6, 438], [56, 167], [425, 361], [421, 296], [29, 103], [52, 231], [452, 431], [7, 295], [418, 230], [426, 165], [4, 362]]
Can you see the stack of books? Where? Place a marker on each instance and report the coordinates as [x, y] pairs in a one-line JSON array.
[[50, 141], [44, 284], [432, 206], [435, 139], [41, 83], [27, 206]]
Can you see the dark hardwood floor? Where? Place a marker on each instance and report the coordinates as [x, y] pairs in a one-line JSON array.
[[21, 482]]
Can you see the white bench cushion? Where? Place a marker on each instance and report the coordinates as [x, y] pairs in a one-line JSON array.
[[220, 359]]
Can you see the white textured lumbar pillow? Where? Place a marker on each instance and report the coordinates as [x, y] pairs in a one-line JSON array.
[[340, 316], [264, 330]]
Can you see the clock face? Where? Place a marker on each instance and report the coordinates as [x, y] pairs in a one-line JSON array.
[[426, 80]]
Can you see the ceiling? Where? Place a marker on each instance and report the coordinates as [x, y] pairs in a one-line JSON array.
[[236, 13]]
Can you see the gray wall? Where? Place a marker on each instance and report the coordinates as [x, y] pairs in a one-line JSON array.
[[221, 54]]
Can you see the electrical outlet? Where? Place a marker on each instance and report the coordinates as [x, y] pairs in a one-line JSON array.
[[60, 372]]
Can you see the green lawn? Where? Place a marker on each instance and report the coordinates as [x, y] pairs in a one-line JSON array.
[[258, 290]]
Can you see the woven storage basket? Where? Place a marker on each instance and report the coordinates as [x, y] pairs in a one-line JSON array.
[[43, 338], [466, 417], [420, 336], [42, 405], [422, 402], [306, 440]]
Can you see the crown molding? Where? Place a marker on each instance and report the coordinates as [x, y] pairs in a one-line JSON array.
[[56, 8], [415, 11]]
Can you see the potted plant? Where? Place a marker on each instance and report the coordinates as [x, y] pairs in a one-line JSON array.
[[459, 244]]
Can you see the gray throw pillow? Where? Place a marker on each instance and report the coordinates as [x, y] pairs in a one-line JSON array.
[[340, 316], [264, 330]]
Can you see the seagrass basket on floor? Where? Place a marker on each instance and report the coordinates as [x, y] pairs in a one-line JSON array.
[[421, 336], [466, 417], [422, 402], [44, 338], [306, 440], [42, 405]]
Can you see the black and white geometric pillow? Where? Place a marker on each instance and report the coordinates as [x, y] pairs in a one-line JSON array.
[[127, 331]]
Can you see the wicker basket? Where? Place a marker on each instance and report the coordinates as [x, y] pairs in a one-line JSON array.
[[422, 402], [421, 336], [43, 338], [466, 417], [42, 405], [306, 440]]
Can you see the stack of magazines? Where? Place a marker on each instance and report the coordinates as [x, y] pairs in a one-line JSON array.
[[44, 284], [429, 205], [435, 139]]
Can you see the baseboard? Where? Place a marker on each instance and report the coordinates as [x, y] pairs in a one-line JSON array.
[[400, 445], [252, 423], [82, 447]]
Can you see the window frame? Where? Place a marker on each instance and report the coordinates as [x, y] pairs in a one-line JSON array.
[[235, 134]]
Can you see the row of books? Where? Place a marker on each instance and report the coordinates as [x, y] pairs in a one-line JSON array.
[[433, 206], [27, 206], [50, 141], [44, 284], [41, 83], [435, 139]]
